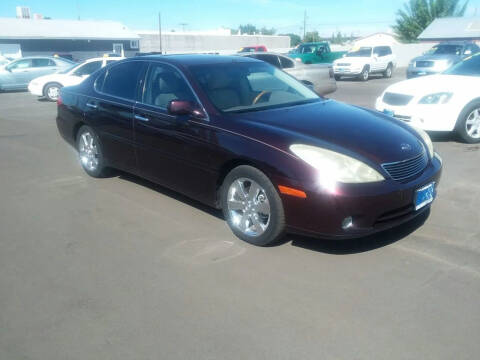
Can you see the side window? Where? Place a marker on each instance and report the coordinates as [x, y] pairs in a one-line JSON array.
[[286, 63], [377, 51], [122, 80], [271, 59], [388, 50], [42, 63], [21, 64], [165, 84], [88, 68]]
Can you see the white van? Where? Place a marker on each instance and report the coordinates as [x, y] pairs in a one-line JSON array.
[[363, 61]]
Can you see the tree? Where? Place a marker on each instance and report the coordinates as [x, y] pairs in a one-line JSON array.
[[294, 39], [248, 29], [312, 36], [265, 31], [416, 15]]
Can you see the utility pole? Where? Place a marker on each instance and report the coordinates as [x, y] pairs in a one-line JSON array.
[[78, 11], [304, 24], [183, 26], [160, 30]]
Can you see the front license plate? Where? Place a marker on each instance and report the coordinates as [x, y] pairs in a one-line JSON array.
[[424, 196], [388, 112]]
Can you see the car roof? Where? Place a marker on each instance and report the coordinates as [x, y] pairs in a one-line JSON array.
[[315, 42], [42, 57], [197, 59], [104, 58], [457, 42], [261, 53]]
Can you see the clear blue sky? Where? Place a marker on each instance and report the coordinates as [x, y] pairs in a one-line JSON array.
[[326, 16]]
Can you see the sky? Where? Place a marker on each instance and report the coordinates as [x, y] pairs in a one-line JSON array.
[[326, 16]]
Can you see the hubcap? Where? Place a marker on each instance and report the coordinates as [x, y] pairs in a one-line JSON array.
[[248, 207], [389, 71], [472, 125], [365, 74], [88, 152], [52, 92]]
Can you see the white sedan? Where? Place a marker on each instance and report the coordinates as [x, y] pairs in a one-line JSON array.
[[446, 102], [49, 85]]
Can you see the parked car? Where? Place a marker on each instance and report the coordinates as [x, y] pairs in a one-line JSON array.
[[318, 76], [48, 86], [315, 52], [255, 48], [440, 57], [363, 61], [241, 135], [18, 73], [442, 102]]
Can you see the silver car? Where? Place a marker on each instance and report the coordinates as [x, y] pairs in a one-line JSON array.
[[18, 73], [318, 76]]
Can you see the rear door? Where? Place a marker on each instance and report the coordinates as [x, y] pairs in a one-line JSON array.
[[110, 111], [42, 66], [172, 150]]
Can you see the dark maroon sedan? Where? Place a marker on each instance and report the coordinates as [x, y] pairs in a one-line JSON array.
[[240, 135]]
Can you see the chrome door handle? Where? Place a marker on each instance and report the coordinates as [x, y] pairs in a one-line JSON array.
[[93, 106], [141, 118]]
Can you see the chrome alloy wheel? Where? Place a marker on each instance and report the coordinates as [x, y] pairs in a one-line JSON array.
[[472, 124], [248, 207], [52, 92], [88, 152]]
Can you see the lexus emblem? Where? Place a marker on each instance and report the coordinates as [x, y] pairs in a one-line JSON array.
[[405, 147]]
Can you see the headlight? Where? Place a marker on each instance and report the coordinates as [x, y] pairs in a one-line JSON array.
[[426, 139], [336, 167], [437, 98]]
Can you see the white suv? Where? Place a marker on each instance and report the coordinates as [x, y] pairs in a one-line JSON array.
[[49, 85], [365, 60]]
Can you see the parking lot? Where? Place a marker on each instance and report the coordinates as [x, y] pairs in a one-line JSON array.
[[119, 268]]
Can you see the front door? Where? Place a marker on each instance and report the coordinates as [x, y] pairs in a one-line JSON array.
[[18, 74], [172, 150]]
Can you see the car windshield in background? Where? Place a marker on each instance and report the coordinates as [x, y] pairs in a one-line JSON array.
[[468, 67], [445, 50], [64, 71], [362, 52], [244, 87]]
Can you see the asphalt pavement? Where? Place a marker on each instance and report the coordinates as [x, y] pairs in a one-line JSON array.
[[119, 268]]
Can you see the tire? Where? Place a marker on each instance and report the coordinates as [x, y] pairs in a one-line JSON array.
[[337, 77], [469, 118], [241, 203], [364, 74], [51, 91], [90, 152], [388, 72]]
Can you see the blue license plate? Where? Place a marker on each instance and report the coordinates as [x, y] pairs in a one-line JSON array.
[[388, 112], [424, 196]]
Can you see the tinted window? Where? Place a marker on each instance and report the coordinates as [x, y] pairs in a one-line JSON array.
[[88, 68], [165, 84], [443, 49], [42, 62], [271, 59], [121, 80], [21, 64], [362, 52], [286, 63], [470, 66]]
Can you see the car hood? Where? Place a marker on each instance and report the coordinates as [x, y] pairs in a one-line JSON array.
[[434, 84], [451, 58], [364, 134]]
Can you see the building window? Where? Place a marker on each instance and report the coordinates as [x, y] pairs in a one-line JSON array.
[[133, 44]]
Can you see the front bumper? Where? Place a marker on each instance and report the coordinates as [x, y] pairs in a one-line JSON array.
[[35, 89], [373, 207], [437, 117], [347, 71]]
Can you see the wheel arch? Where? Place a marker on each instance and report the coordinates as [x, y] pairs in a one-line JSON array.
[[50, 83]]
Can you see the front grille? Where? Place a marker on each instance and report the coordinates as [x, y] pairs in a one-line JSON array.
[[424, 64], [343, 64], [396, 99], [407, 169]]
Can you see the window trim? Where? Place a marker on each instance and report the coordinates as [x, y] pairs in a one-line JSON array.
[[207, 118]]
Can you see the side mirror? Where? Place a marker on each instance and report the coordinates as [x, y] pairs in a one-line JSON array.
[[184, 107]]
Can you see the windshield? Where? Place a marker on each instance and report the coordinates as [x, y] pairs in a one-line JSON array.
[[445, 49], [66, 70], [362, 52], [307, 49], [244, 87], [468, 67]]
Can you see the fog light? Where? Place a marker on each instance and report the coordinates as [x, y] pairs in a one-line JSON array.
[[347, 223]]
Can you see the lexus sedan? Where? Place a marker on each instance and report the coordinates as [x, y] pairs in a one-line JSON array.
[[443, 102], [243, 136], [18, 73]]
